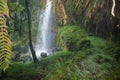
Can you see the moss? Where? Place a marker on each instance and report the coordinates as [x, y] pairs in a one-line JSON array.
[[69, 37], [97, 41]]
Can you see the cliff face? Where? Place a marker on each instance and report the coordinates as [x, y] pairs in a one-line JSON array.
[[60, 12], [95, 16]]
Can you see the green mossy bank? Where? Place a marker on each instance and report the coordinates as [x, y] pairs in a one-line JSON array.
[[82, 57]]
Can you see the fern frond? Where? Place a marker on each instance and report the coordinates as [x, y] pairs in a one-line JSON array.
[[5, 43], [4, 8]]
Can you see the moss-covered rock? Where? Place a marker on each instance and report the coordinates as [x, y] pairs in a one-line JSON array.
[[69, 37]]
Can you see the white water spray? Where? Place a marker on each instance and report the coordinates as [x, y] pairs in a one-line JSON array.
[[45, 37]]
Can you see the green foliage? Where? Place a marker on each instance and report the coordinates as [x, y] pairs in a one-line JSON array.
[[87, 64], [115, 72], [82, 65], [16, 8], [74, 38], [5, 43], [59, 67], [23, 71], [69, 37], [62, 71], [64, 55], [97, 41]]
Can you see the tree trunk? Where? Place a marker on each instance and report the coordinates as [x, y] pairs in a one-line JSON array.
[[3, 74], [29, 28]]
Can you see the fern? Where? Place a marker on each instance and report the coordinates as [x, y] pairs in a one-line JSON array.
[[5, 43]]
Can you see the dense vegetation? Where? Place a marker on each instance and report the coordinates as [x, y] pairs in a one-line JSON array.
[[87, 40]]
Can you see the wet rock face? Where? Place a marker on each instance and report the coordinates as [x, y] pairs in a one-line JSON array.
[[43, 54]]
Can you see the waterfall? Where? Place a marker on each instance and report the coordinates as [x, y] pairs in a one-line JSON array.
[[45, 37]]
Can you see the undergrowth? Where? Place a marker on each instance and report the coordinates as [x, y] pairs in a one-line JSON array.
[[97, 61]]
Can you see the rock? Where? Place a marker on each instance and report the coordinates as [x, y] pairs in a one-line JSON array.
[[43, 54]]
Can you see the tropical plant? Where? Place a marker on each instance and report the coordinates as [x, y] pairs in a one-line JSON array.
[[5, 43]]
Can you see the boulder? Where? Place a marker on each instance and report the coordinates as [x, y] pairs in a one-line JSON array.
[[43, 54]]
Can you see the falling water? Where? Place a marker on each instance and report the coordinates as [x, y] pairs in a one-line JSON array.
[[45, 38]]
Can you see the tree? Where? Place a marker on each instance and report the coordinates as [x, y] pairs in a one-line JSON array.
[[29, 27]]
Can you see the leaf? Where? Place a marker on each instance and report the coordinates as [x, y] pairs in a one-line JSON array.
[[5, 43]]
